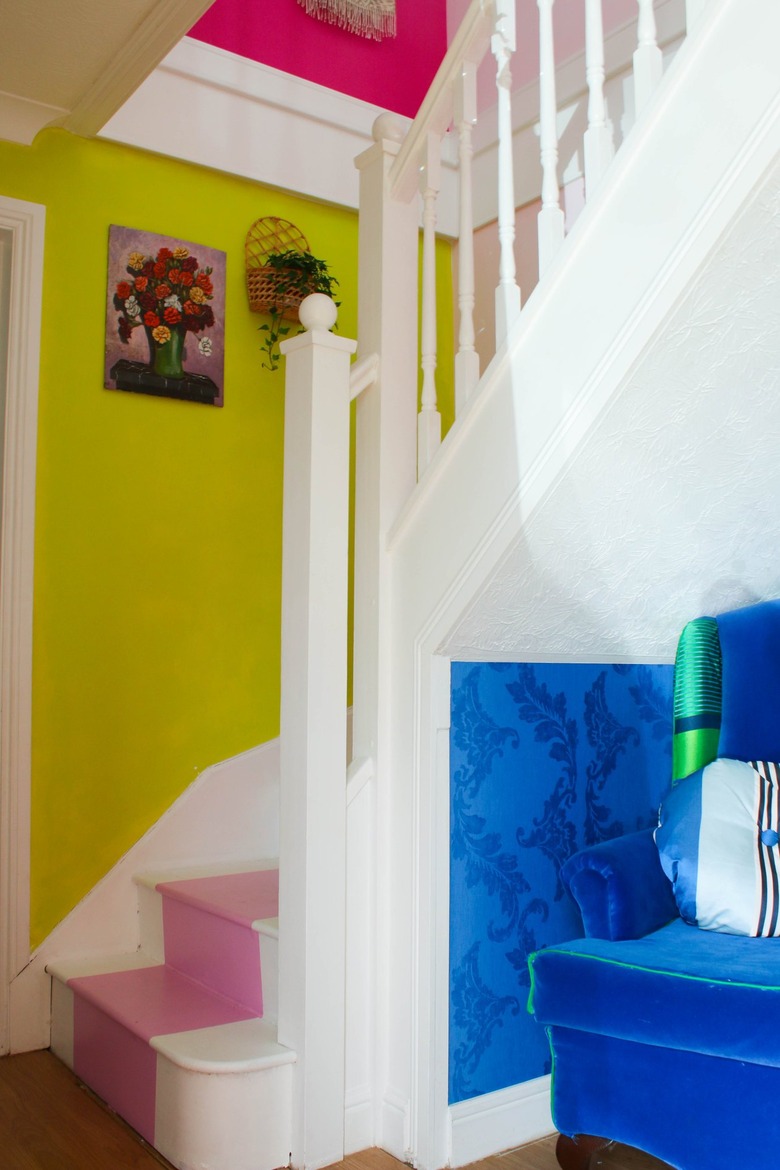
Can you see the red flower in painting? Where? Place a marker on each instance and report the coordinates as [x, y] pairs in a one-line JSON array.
[[166, 293]]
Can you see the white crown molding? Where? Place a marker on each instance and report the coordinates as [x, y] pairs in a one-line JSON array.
[[24, 225], [150, 42], [251, 120], [21, 118]]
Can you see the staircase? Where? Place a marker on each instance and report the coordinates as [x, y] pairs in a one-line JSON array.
[[179, 1038]]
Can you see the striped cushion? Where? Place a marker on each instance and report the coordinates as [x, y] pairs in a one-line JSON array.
[[718, 838]]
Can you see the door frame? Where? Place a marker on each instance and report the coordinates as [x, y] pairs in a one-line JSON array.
[[24, 223]]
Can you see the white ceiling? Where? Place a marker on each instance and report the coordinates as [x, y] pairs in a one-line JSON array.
[[73, 63]]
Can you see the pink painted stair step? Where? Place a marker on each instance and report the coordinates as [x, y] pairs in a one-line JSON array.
[[115, 1016], [209, 935]]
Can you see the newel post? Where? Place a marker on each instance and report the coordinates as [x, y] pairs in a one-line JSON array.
[[313, 729]]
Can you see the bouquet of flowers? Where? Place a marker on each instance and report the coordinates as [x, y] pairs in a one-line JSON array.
[[168, 295]]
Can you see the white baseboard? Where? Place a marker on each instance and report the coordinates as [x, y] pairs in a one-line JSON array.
[[499, 1121], [396, 1134], [358, 1121]]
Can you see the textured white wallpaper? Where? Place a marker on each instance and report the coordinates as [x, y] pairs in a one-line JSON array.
[[671, 506]]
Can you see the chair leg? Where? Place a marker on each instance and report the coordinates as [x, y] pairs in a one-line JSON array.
[[574, 1153]]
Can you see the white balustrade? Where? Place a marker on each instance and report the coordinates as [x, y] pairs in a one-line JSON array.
[[598, 137], [429, 418], [648, 59], [467, 358], [550, 222], [503, 44]]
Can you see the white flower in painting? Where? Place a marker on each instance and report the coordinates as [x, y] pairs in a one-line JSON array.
[[132, 307], [205, 346], [172, 302]]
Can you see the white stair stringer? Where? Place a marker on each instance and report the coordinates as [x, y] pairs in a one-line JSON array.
[[705, 142]]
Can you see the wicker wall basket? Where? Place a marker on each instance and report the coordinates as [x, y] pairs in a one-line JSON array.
[[265, 237]]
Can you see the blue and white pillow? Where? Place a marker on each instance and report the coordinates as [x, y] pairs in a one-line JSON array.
[[718, 838]]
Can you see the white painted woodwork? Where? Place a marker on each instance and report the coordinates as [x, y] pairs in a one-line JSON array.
[[260, 104], [22, 230], [467, 358], [364, 373], [312, 843], [694, 9], [502, 45], [385, 476], [429, 418], [598, 137], [550, 222], [648, 59], [435, 114], [633, 253]]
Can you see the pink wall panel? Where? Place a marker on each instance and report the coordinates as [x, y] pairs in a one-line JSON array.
[[394, 73]]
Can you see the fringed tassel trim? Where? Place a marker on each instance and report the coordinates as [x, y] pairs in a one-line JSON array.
[[373, 19]]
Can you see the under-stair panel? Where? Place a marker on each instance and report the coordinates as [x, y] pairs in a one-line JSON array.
[[179, 1048]]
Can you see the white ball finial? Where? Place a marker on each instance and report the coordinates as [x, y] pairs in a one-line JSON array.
[[387, 126], [317, 311]]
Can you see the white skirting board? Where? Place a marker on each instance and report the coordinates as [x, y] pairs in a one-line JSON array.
[[499, 1121]]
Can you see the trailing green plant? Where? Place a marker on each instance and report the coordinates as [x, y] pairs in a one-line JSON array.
[[295, 275]]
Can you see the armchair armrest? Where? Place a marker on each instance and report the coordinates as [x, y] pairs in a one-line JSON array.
[[620, 887]]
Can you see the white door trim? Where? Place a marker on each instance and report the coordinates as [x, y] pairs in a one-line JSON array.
[[25, 223]]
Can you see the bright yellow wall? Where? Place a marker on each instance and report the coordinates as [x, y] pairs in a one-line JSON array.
[[158, 527]]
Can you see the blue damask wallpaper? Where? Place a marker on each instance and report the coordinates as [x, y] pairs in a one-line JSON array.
[[545, 759]]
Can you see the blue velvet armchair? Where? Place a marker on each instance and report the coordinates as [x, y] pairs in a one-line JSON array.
[[666, 1036]]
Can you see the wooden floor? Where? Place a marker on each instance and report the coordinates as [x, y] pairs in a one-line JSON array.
[[50, 1121]]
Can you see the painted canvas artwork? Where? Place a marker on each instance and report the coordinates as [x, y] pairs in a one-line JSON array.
[[165, 317]]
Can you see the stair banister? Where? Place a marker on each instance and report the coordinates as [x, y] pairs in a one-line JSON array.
[[648, 59], [503, 43], [312, 865], [550, 222], [429, 418], [467, 358], [435, 114], [598, 137]]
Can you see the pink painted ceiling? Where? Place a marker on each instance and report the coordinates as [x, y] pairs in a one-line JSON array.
[[394, 73]]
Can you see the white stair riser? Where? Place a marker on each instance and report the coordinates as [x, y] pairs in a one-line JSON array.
[[230, 1121]]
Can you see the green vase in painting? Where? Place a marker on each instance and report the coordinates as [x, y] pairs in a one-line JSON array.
[[168, 356]]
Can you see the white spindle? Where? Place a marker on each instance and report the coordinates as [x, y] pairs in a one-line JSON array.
[[598, 136], [648, 60], [429, 419], [502, 44], [467, 358], [550, 222]]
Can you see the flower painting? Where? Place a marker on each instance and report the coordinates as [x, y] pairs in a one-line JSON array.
[[165, 317]]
